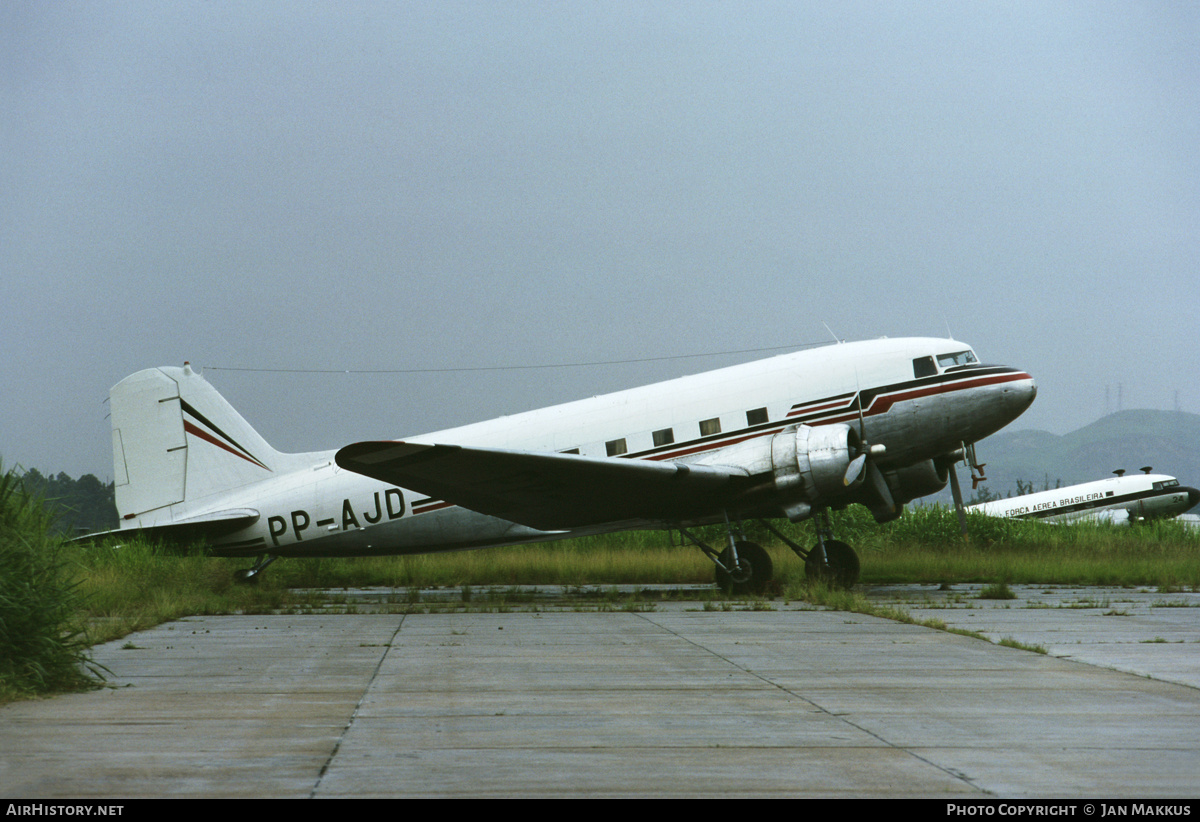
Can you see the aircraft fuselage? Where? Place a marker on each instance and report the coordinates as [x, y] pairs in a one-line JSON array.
[[1122, 499], [914, 401]]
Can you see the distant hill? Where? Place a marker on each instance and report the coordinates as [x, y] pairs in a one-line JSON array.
[[1169, 441]]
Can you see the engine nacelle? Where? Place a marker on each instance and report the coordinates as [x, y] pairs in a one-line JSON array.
[[907, 484], [801, 467], [809, 466]]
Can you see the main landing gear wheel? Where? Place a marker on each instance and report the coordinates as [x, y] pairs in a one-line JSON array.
[[840, 568], [753, 572]]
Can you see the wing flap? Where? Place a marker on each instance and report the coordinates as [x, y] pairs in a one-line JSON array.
[[548, 491]]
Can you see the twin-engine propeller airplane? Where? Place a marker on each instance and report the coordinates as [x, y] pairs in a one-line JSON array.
[[879, 422], [1120, 500]]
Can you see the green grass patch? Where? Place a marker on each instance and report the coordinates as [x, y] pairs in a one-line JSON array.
[[998, 590], [43, 641], [1164, 554], [135, 584]]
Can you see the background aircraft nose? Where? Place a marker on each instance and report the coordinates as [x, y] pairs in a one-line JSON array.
[[1193, 497]]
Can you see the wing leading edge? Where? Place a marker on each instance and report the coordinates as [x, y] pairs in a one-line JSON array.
[[549, 491]]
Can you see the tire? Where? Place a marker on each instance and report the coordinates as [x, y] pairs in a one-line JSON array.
[[840, 569], [754, 571]]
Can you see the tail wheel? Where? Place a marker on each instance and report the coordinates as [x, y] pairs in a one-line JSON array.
[[752, 574], [249, 576], [840, 568]]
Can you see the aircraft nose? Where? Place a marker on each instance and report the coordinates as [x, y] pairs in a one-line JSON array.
[[1193, 497], [1022, 393]]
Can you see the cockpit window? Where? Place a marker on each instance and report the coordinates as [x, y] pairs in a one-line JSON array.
[[958, 358], [924, 367], [1158, 486]]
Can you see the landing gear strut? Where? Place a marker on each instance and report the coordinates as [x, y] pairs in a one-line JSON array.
[[742, 568], [750, 574], [250, 575], [830, 560], [840, 567]]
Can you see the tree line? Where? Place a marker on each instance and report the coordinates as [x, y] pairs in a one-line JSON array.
[[78, 505]]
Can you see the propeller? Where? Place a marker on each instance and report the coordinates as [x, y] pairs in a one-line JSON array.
[[855, 468], [862, 464]]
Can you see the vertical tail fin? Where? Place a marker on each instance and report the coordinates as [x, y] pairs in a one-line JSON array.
[[176, 439]]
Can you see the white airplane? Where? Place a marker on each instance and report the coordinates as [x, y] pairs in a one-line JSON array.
[[878, 422], [1119, 500]]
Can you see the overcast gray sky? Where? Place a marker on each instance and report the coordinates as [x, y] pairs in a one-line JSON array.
[[428, 185]]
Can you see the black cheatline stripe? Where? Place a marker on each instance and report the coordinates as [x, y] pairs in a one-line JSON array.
[[245, 543], [862, 399], [971, 372], [188, 408], [1105, 502], [688, 445]]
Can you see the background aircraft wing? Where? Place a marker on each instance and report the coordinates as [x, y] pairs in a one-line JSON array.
[[548, 491]]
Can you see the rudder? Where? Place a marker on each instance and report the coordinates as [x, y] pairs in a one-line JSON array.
[[176, 440]]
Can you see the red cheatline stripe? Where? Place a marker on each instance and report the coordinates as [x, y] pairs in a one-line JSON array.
[[803, 409], [710, 446], [204, 435], [885, 402], [433, 506]]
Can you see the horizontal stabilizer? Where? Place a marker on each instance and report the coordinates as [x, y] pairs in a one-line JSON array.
[[202, 526], [548, 491]]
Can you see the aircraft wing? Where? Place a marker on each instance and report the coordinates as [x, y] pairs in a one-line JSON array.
[[1119, 516], [548, 491]]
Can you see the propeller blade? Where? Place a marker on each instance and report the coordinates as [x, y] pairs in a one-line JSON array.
[[880, 487], [854, 470]]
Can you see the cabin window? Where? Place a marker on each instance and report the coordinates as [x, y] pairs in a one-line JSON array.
[[615, 447], [709, 427], [756, 416], [664, 437], [957, 358], [924, 367]]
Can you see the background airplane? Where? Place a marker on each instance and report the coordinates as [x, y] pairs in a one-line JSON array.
[[1120, 500], [879, 422]]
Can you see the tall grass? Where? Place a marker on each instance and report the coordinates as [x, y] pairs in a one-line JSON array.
[[43, 645], [135, 584], [925, 546]]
